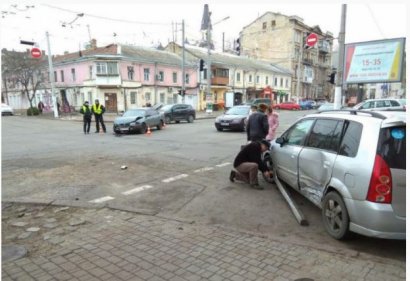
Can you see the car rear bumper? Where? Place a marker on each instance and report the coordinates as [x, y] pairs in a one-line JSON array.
[[375, 220]]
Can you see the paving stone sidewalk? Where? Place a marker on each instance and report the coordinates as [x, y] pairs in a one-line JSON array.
[[117, 245]]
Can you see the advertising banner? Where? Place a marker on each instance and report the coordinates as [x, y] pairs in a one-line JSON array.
[[374, 61]]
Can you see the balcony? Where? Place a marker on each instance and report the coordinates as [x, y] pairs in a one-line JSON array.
[[323, 46], [220, 76], [220, 80]]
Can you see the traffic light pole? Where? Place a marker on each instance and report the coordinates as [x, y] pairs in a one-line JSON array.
[[299, 74], [339, 76], [208, 71]]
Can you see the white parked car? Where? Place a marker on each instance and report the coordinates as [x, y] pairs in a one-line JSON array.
[[380, 104], [6, 109]]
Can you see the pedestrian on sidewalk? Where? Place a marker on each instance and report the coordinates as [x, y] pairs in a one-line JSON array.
[[248, 162], [98, 110], [87, 114], [273, 121], [40, 107], [258, 126]]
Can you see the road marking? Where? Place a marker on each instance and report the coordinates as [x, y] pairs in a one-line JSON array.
[[223, 164], [135, 190], [204, 169], [175, 178], [102, 199]]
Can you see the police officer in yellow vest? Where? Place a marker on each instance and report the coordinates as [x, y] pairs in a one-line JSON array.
[[98, 110], [86, 111]]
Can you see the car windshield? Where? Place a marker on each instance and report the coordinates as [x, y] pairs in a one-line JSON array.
[[242, 110], [166, 107], [134, 112]]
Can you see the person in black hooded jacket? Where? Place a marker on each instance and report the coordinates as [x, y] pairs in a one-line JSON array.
[[257, 127]]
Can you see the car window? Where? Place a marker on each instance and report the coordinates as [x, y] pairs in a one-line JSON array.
[[351, 139], [394, 103], [367, 105], [326, 135], [297, 134], [382, 103], [392, 146]]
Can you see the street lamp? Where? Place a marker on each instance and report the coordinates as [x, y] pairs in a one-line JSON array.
[[209, 69]]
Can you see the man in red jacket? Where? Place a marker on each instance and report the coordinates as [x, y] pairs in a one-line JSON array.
[[248, 162]]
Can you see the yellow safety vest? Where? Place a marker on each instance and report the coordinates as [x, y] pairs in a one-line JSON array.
[[97, 110]]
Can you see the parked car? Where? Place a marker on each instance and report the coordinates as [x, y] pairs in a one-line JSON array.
[[138, 120], [328, 106], [233, 119], [178, 112], [378, 104], [288, 105], [307, 104], [6, 109], [352, 165], [259, 101]]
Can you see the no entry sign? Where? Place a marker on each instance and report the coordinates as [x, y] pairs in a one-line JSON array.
[[311, 39], [36, 53]]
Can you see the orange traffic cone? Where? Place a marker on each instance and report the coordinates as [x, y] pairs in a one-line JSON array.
[[148, 133]]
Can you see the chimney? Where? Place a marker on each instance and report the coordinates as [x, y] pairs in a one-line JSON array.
[[93, 44]]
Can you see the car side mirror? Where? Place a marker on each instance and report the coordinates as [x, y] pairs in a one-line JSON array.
[[281, 141]]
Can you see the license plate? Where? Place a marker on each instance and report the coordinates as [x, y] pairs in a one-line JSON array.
[[224, 124], [124, 129]]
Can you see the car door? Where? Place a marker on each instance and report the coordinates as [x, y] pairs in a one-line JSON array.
[[177, 112], [285, 156], [317, 158]]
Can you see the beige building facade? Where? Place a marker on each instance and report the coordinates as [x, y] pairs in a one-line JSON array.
[[280, 39]]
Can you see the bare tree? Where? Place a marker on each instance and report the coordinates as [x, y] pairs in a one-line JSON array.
[[25, 72]]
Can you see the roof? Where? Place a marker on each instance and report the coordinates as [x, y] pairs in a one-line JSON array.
[[234, 60], [107, 50]]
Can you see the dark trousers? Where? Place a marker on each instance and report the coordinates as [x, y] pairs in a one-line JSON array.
[[99, 119], [87, 124]]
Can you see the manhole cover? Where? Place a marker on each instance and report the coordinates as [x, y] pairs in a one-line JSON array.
[[12, 252]]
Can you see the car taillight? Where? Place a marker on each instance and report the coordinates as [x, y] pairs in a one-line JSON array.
[[380, 188]]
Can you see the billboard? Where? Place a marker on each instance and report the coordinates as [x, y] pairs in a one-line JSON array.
[[374, 61]]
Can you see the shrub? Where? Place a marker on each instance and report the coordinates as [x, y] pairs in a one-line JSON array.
[[32, 111]]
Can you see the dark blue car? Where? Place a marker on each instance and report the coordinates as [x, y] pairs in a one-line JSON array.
[[306, 104]]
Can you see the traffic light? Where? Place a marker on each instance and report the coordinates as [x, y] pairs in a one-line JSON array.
[[181, 93], [201, 65], [331, 78], [238, 46]]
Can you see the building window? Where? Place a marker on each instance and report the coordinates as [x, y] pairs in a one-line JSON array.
[[238, 77], [276, 81], [162, 97], [257, 79], [174, 77], [273, 23], [287, 83], [62, 75], [73, 74], [107, 68], [281, 82], [55, 76], [133, 97], [90, 97], [147, 97], [264, 25], [90, 71], [250, 78], [161, 76], [266, 80], [130, 72], [187, 78], [146, 74]]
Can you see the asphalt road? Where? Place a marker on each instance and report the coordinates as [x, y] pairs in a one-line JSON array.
[[180, 172]]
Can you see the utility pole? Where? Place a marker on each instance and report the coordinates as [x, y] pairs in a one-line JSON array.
[[223, 42], [208, 69], [299, 74], [51, 75], [339, 75], [183, 62]]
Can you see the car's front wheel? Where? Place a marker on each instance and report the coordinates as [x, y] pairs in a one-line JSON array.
[[334, 215], [167, 120], [267, 159], [161, 124], [144, 128]]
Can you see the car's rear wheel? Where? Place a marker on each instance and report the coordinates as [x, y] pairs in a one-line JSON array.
[[161, 124], [335, 217], [167, 120], [190, 119]]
